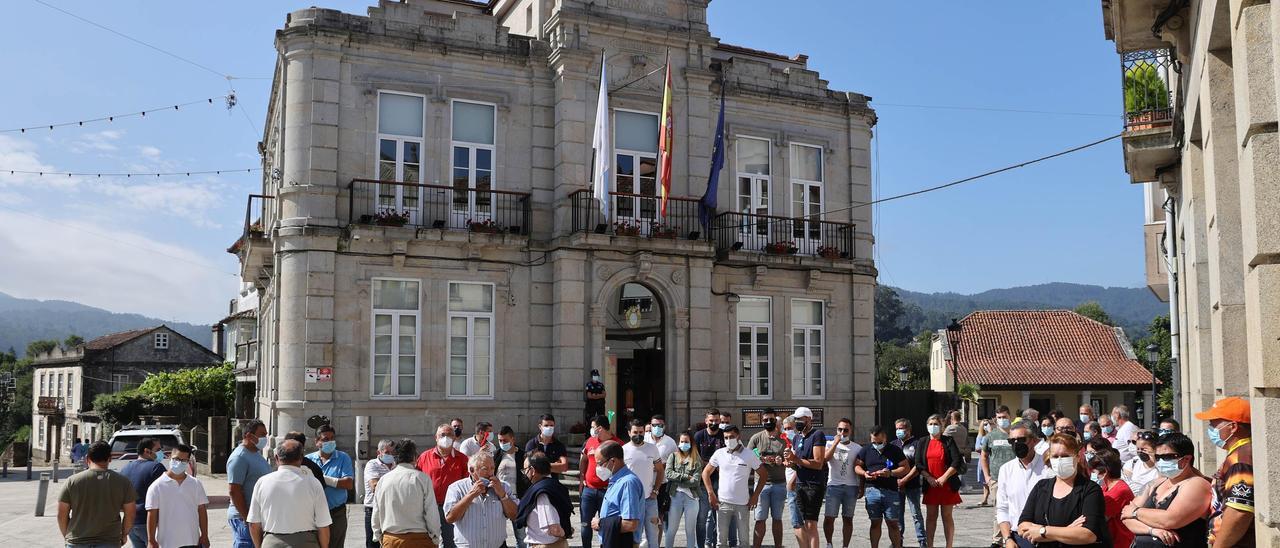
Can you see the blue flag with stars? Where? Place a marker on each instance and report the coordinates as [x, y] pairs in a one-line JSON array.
[[707, 205]]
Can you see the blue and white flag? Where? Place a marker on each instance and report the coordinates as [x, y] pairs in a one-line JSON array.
[[707, 205]]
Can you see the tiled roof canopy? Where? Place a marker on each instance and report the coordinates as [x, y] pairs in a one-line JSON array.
[[108, 341], [1042, 347]]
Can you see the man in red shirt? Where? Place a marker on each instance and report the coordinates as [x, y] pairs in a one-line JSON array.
[[592, 487], [444, 465]]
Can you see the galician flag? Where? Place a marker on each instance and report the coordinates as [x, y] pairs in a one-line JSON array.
[[602, 144], [666, 140]]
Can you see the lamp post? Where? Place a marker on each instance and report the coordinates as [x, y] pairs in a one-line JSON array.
[[902, 376], [1153, 357]]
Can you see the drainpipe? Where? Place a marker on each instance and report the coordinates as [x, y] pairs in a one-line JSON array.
[[1171, 254]]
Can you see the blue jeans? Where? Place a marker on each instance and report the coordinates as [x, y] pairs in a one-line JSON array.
[[883, 504], [841, 496], [651, 528], [519, 535], [706, 521], [772, 498], [911, 501], [240, 537], [685, 506], [592, 499], [797, 521], [138, 535]]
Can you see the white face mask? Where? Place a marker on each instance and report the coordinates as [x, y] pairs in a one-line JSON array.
[[444, 442], [1064, 467], [934, 429], [603, 473], [731, 443]]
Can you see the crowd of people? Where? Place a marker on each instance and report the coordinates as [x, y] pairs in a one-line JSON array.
[[1056, 481]]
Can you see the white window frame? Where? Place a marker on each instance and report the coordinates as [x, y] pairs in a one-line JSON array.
[[748, 227], [472, 211], [470, 393], [396, 314], [737, 351], [71, 390], [805, 183], [800, 390], [400, 140], [42, 384], [636, 155], [160, 341], [119, 381]]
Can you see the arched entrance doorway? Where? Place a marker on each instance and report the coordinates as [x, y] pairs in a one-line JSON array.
[[636, 348]]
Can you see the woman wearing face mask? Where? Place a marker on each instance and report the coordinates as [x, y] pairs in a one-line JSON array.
[[1092, 447], [1104, 469], [1091, 431], [1067, 509], [373, 470], [1172, 510], [984, 427], [684, 485], [1140, 471], [940, 470], [1046, 427]]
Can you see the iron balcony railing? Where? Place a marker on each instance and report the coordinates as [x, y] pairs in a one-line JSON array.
[[774, 235], [255, 210], [1149, 77], [393, 203], [637, 215]]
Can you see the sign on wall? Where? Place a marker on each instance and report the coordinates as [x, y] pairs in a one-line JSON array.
[[319, 374], [752, 417]]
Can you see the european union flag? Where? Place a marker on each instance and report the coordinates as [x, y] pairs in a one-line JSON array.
[[707, 205]]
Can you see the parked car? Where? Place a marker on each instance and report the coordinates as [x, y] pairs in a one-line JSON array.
[[124, 443]]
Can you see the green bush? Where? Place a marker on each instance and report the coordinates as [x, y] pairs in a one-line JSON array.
[[122, 407], [191, 392], [1144, 89]]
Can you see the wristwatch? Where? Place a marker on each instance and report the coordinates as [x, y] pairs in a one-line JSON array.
[[1044, 532]]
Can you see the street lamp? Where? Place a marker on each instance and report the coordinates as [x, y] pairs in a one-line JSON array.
[[1153, 356], [902, 376]]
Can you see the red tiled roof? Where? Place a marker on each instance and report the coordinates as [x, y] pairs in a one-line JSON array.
[[108, 341], [1041, 347]]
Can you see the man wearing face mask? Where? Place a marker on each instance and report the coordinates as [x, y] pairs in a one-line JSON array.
[[1108, 428], [657, 435], [245, 466], [731, 498], [509, 465], [374, 469], [177, 506], [768, 445], [406, 512], [808, 457], [623, 501], [456, 425], [479, 505], [1086, 416], [708, 440], [482, 440], [594, 395], [592, 486], [142, 472], [1230, 427], [309, 464], [997, 450], [547, 444], [1125, 429], [339, 476], [444, 465], [643, 461], [909, 485], [1017, 476]]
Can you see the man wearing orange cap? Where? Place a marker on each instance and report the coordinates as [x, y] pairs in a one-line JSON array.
[[1232, 522]]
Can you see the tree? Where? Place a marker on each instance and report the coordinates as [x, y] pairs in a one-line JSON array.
[[40, 347], [1094, 311], [1158, 334], [890, 357], [890, 315], [123, 407], [72, 342], [191, 393]]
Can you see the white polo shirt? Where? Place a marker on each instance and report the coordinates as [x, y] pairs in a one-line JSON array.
[[735, 468], [179, 505], [666, 445], [640, 459]]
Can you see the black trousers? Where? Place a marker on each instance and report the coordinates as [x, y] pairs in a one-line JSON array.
[[369, 541]]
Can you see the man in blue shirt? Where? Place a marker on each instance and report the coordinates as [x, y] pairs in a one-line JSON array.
[[142, 473], [808, 458], [625, 496], [339, 476], [244, 467]]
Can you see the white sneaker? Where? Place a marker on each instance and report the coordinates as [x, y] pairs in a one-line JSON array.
[[829, 545]]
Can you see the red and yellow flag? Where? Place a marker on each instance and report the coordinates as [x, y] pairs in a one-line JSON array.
[[666, 141]]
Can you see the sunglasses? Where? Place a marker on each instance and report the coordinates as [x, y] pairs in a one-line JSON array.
[[1168, 456], [842, 430], [1146, 436], [1018, 440]]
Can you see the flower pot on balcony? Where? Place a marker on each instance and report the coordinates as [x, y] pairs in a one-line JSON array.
[[781, 248], [485, 227], [663, 233], [391, 218], [829, 253], [624, 228]]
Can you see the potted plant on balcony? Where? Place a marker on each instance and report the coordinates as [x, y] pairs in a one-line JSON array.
[[1145, 95], [662, 231], [485, 226], [828, 252], [626, 228], [255, 229], [390, 217], [784, 247]]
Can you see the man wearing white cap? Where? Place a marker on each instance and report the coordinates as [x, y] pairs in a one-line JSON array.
[[808, 457]]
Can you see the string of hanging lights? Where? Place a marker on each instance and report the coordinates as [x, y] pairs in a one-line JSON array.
[[229, 99]]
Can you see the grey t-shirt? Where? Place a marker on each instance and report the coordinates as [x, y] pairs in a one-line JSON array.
[[998, 451]]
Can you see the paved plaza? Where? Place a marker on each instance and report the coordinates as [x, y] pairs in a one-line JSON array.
[[19, 526]]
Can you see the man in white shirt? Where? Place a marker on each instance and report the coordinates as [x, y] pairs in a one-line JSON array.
[[377, 467], [643, 461], [844, 487], [483, 439], [1017, 477], [730, 499], [405, 512], [479, 506], [288, 508], [1125, 429], [657, 435], [177, 506], [546, 509]]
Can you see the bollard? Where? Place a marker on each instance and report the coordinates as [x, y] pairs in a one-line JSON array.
[[42, 493], [55, 471], [5, 472], [28, 467]]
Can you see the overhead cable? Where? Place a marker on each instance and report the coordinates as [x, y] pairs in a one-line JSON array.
[[113, 117], [130, 174]]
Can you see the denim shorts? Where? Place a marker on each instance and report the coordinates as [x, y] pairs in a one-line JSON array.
[[841, 496], [772, 499], [797, 521], [883, 504]]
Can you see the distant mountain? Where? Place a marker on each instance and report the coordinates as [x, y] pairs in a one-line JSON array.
[[26, 320], [1131, 308]]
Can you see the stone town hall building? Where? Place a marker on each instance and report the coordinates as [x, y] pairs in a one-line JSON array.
[[426, 244]]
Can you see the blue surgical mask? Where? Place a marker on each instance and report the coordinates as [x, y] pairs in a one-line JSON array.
[[1088, 455], [1107, 429], [1046, 430], [1216, 437], [1003, 423], [504, 446], [329, 447], [263, 441], [159, 455], [685, 446], [900, 433], [178, 467], [657, 431], [878, 446], [934, 429], [1088, 435], [387, 459], [1168, 468]]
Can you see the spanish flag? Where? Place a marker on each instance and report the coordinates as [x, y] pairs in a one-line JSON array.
[[666, 141]]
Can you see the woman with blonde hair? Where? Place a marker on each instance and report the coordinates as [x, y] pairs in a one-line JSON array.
[[1067, 509], [683, 481]]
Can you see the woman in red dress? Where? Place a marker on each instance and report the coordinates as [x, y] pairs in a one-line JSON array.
[[1105, 470], [940, 469]]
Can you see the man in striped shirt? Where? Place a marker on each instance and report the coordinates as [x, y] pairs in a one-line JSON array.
[[479, 505]]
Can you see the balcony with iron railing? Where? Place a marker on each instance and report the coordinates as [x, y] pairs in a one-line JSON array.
[[637, 216], [439, 207], [253, 247], [753, 237], [1149, 82]]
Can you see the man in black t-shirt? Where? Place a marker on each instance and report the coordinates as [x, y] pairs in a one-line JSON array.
[[547, 443], [808, 458], [707, 441], [909, 486], [881, 464]]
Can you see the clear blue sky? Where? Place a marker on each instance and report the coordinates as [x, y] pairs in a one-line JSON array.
[[1073, 219]]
